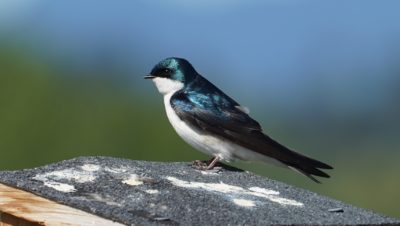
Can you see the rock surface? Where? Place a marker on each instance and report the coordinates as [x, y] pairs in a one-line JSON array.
[[155, 193]]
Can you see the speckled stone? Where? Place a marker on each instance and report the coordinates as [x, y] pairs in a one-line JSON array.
[[157, 193]]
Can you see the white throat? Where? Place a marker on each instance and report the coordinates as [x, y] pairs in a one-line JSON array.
[[167, 86]]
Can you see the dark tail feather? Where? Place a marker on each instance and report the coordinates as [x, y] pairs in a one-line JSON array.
[[265, 145], [305, 174], [308, 166]]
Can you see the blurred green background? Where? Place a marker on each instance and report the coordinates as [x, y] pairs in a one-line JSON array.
[[322, 78]]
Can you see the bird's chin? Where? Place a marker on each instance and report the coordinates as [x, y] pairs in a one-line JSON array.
[[166, 86]]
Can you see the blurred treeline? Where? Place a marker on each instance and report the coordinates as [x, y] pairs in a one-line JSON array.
[[48, 115]]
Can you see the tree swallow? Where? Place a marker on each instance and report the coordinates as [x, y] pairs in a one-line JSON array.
[[215, 124]]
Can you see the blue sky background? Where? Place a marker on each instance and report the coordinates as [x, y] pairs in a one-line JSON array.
[[348, 49]]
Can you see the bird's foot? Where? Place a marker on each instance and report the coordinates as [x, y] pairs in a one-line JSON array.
[[199, 164], [207, 165]]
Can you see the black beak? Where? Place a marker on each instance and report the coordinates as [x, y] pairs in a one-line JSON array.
[[149, 77]]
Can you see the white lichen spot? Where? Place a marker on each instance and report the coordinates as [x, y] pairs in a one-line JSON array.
[[60, 186], [115, 170], [218, 187], [152, 191], [284, 201], [100, 198], [79, 176], [51, 179], [273, 196], [90, 167], [244, 202], [233, 192], [264, 191], [133, 180], [208, 172]]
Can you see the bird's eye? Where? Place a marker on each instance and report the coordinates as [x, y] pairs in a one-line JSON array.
[[163, 72], [166, 72]]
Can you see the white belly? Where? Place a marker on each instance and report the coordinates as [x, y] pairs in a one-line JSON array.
[[210, 145]]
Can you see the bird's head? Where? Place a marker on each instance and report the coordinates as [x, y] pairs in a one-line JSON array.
[[172, 74]]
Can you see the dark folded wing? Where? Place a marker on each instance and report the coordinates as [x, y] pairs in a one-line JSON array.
[[220, 115]]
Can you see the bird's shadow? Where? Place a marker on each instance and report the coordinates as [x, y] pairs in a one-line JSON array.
[[217, 168], [229, 168]]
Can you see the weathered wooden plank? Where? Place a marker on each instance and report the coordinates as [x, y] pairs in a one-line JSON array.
[[10, 220], [22, 208]]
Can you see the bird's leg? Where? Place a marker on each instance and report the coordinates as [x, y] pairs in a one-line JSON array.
[[213, 162]]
